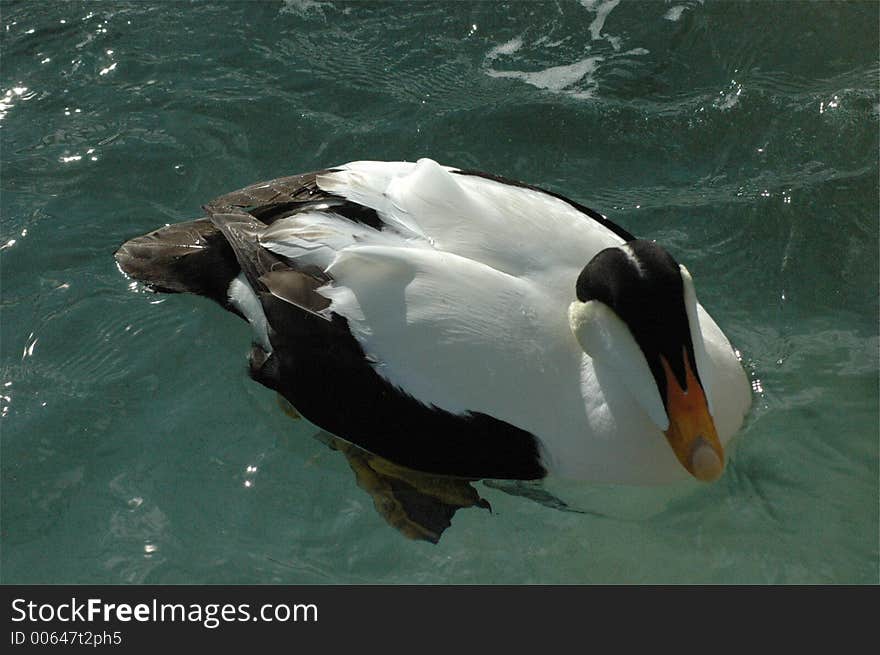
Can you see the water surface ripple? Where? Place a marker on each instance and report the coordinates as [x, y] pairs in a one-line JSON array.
[[743, 136]]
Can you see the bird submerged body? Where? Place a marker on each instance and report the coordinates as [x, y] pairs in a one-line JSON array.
[[462, 324]]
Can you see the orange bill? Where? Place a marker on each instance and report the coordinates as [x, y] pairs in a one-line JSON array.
[[691, 431]]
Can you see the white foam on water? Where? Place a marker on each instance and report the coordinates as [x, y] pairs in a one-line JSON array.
[[556, 78], [602, 10], [577, 79], [507, 48], [729, 98], [547, 43], [303, 6], [674, 13]]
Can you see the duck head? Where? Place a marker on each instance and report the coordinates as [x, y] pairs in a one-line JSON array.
[[636, 312]]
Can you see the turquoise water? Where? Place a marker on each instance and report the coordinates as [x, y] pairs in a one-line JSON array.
[[743, 136]]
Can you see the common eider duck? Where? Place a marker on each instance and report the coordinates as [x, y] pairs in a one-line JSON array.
[[463, 324]]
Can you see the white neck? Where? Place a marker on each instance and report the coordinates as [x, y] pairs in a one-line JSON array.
[[605, 337]]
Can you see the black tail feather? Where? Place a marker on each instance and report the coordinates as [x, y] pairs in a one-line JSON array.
[[191, 257]]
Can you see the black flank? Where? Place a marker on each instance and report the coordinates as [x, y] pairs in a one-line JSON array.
[[320, 368]]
